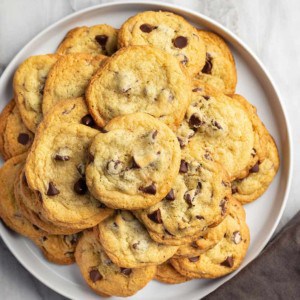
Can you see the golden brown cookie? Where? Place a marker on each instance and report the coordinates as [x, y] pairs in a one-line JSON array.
[[102, 275], [28, 85], [139, 79], [168, 32], [134, 164], [69, 77], [95, 40], [219, 70]]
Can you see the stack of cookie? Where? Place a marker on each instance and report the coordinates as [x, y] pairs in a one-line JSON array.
[[129, 152]]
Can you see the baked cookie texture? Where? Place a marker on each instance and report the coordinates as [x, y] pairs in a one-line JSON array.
[[69, 77], [221, 126], [58, 249], [10, 211], [219, 70], [168, 32], [95, 40], [55, 170], [139, 79], [197, 200], [167, 274], [102, 275], [226, 256], [28, 86], [15, 138], [128, 245], [134, 164]]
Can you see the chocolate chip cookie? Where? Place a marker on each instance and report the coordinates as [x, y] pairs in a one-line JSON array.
[[220, 125], [219, 70], [69, 77], [15, 137], [55, 170], [140, 79], [102, 275], [95, 40], [196, 201], [128, 244], [28, 84], [226, 256], [168, 32], [134, 164]]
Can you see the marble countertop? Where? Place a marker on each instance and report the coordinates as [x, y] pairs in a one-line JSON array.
[[269, 27]]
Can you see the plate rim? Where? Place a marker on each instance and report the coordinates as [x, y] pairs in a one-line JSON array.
[[231, 36]]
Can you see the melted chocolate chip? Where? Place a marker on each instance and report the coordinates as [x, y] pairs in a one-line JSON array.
[[80, 187], [23, 138], [216, 124], [61, 157], [101, 40], [195, 121], [184, 166], [208, 64], [171, 195], [155, 216], [194, 259], [95, 275], [150, 189], [52, 190], [223, 206], [255, 168], [147, 28], [197, 89], [180, 42], [88, 120], [134, 164], [228, 262], [126, 271]]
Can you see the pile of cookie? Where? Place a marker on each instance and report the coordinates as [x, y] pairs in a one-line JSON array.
[[129, 152]]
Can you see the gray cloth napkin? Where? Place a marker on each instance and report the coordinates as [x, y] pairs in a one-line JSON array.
[[274, 274]]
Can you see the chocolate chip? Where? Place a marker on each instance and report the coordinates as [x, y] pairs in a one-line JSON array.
[[207, 156], [197, 89], [236, 237], [195, 121], [61, 157], [44, 238], [206, 97], [255, 168], [103, 130], [194, 259], [95, 275], [35, 227], [147, 28], [253, 152], [150, 189], [115, 225], [80, 187], [171, 195], [185, 60], [134, 164], [88, 120], [199, 186], [155, 216], [184, 166], [101, 205], [199, 217], [181, 142], [180, 42], [52, 190], [234, 189], [74, 239], [126, 271], [208, 64], [135, 245], [188, 199], [194, 245], [154, 134], [91, 158], [101, 40], [228, 262], [114, 167], [23, 138], [223, 206], [216, 124]]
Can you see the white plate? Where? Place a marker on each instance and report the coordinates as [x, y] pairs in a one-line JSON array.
[[253, 82]]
